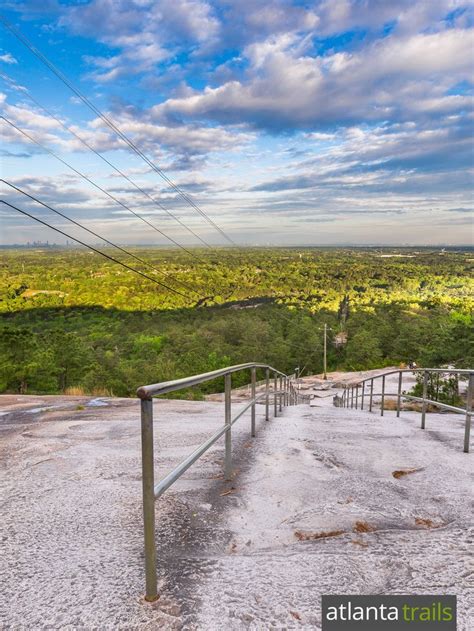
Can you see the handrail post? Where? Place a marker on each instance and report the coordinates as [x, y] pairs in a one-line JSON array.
[[352, 396], [362, 397], [467, 429], [148, 483], [371, 394], [425, 395], [383, 396], [228, 434], [357, 396], [253, 378], [267, 391], [281, 393], [275, 394], [400, 376]]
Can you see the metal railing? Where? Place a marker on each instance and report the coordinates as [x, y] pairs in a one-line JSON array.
[[350, 396], [283, 392]]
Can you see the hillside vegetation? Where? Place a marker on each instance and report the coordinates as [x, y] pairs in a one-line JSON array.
[[71, 321]]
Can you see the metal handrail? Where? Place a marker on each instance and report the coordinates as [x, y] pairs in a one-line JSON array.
[[145, 392], [456, 371], [411, 397], [168, 480], [284, 393], [348, 394]]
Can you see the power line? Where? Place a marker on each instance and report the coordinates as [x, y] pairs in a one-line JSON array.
[[90, 247], [26, 92], [308, 358], [95, 234], [97, 186], [291, 344], [94, 249], [20, 36]]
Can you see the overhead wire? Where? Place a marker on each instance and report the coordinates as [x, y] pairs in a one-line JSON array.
[[297, 346], [22, 38], [118, 132], [308, 359], [27, 93], [95, 234], [94, 249], [98, 187], [35, 199]]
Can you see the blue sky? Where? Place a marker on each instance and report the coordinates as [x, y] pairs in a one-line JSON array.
[[331, 122]]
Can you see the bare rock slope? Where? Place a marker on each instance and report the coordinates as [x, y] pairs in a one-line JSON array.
[[324, 500]]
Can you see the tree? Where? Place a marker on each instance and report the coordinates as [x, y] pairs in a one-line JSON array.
[[71, 358], [25, 362], [363, 351]]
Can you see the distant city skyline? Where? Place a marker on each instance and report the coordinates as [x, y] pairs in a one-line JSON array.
[[289, 123]]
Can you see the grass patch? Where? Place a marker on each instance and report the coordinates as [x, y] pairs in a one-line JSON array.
[[363, 526], [314, 536], [400, 473], [426, 523], [79, 391]]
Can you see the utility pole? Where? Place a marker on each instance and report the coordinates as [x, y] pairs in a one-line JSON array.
[[325, 352]]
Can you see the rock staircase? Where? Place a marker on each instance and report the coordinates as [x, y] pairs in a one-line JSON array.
[[322, 500]]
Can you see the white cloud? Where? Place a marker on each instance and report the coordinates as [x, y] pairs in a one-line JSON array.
[[181, 139], [146, 33], [171, 143], [27, 117], [368, 129], [7, 58], [321, 137], [406, 16], [286, 89]]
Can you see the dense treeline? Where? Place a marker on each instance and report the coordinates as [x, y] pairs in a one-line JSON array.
[[72, 322]]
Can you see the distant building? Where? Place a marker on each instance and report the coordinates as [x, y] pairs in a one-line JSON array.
[[340, 339]]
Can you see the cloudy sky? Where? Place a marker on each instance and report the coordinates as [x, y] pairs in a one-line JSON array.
[[287, 122]]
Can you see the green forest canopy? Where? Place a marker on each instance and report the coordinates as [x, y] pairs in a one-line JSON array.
[[72, 321]]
